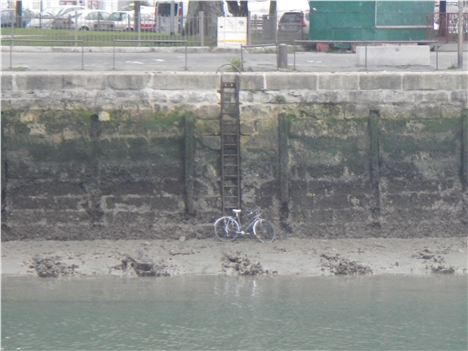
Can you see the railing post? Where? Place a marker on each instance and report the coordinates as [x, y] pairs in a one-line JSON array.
[[201, 27], [461, 28], [113, 54], [186, 56], [242, 58], [365, 56], [294, 56], [82, 55], [282, 56], [76, 27], [249, 30], [12, 38]]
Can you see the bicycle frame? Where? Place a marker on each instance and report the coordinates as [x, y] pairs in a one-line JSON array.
[[228, 228], [249, 229]]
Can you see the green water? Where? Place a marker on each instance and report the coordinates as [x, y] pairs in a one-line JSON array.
[[219, 313]]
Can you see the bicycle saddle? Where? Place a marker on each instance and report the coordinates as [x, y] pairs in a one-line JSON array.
[[236, 211]]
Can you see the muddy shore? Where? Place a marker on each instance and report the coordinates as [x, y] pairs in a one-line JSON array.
[[302, 257]]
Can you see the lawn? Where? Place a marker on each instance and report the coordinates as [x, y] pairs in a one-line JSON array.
[[46, 37]]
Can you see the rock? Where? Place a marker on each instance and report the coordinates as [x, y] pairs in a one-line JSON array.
[[241, 265], [174, 253], [442, 269], [145, 268], [51, 267], [342, 266]]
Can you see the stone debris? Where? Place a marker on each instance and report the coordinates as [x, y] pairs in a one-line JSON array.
[[425, 254], [236, 263], [435, 263], [52, 267], [342, 266], [175, 253], [144, 268]]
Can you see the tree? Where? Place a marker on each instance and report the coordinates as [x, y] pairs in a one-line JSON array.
[[212, 10], [238, 8], [273, 8]]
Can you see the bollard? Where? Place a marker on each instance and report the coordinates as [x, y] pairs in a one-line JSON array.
[[282, 56]]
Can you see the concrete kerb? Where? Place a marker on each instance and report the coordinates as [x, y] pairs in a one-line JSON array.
[[129, 80], [123, 49]]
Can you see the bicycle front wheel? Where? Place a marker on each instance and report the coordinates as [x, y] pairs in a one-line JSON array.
[[226, 228], [264, 231]]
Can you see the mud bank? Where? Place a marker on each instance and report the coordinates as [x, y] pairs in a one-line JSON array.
[[302, 257]]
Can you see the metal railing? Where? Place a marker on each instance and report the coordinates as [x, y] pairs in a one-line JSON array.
[[243, 47], [13, 39], [102, 33], [445, 26]]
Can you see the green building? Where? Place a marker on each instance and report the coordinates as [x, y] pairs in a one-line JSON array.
[[377, 20]]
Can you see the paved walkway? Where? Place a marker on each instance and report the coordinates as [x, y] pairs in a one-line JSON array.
[[99, 59]]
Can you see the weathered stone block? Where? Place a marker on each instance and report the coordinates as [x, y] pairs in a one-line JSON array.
[[46, 188], [69, 217], [210, 142], [338, 81], [7, 82], [39, 81], [126, 187], [380, 81], [46, 202], [90, 81], [299, 81], [207, 127], [252, 81], [320, 216], [185, 81], [446, 81], [127, 81]]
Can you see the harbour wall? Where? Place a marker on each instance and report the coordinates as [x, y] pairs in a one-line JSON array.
[[137, 154]]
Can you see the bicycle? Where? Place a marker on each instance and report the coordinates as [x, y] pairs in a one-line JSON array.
[[228, 228]]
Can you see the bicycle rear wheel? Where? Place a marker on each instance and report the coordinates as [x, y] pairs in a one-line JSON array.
[[264, 231], [226, 228]]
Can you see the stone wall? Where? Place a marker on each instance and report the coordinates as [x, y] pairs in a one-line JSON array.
[[136, 155]]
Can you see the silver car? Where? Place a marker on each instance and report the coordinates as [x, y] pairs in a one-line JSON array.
[[120, 20], [83, 20]]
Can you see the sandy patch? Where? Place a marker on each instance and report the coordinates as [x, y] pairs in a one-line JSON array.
[[303, 257]]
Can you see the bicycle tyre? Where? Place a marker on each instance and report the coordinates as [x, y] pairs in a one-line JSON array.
[[264, 231], [226, 228]]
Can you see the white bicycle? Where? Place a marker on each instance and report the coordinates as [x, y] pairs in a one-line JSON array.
[[228, 228]]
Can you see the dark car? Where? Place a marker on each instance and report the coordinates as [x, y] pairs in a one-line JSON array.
[[8, 18], [293, 25]]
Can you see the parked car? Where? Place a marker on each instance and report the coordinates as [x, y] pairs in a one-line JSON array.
[[69, 10], [44, 19], [64, 17], [119, 20], [8, 18], [293, 25], [83, 20], [147, 24]]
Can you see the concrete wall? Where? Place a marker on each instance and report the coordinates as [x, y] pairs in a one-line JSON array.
[[394, 55], [136, 155]]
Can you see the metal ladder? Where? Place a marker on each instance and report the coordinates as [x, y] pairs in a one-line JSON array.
[[230, 144]]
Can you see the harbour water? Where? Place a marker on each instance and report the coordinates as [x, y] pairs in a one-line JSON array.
[[226, 313]]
